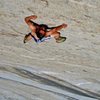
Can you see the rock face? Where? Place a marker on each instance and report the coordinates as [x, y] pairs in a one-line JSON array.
[[50, 71]]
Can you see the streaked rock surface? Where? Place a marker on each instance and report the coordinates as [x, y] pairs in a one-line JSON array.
[[50, 71]]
